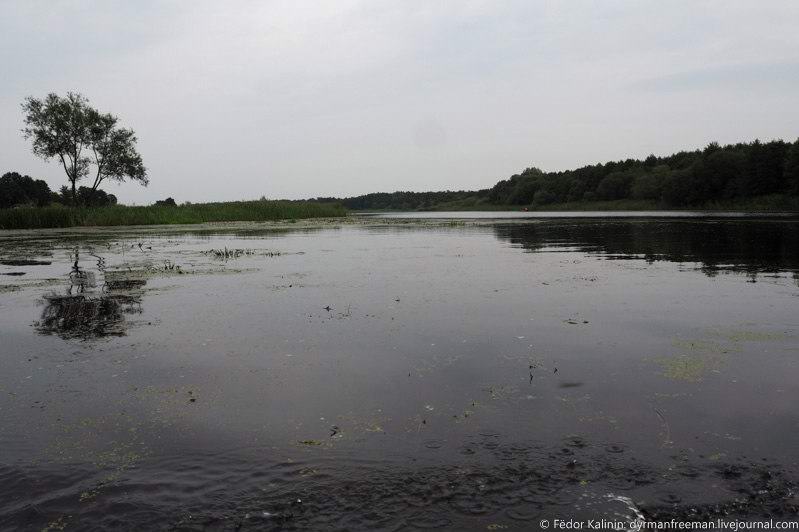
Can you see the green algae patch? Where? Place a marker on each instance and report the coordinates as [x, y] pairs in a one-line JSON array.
[[754, 336], [689, 368], [748, 335], [702, 346]]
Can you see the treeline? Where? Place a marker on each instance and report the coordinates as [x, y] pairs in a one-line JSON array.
[[685, 179], [718, 172], [400, 200], [18, 190]]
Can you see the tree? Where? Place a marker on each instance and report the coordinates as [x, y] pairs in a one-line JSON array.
[[80, 136], [615, 186], [649, 186], [95, 198], [114, 151], [169, 202], [792, 168], [59, 127], [16, 189]]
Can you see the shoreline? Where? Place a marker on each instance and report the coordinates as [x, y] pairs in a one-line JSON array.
[[376, 218]]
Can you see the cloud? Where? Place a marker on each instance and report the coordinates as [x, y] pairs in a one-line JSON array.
[[762, 77], [292, 99]]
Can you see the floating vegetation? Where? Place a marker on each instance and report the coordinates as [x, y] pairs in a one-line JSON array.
[[697, 358], [501, 391], [746, 335], [167, 266], [5, 288], [122, 284], [170, 266], [575, 320], [690, 368], [56, 524], [227, 254], [464, 415], [25, 262]]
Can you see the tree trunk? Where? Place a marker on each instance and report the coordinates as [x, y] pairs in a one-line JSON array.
[[74, 195], [92, 191]]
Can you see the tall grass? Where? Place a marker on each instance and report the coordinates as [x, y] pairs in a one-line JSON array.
[[236, 211]]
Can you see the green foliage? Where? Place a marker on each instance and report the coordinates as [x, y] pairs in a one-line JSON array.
[[95, 198], [792, 169], [60, 216], [406, 201], [649, 186], [79, 137], [23, 191], [615, 185], [16, 189], [731, 174]]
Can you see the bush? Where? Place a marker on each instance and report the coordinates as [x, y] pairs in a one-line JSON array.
[[16, 189], [544, 197], [677, 188], [615, 186], [99, 199], [646, 186]]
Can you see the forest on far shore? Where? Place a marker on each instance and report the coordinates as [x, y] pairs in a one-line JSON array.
[[23, 190], [723, 174], [732, 175]]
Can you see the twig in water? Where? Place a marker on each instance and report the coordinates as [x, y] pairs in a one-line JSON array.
[[667, 439]]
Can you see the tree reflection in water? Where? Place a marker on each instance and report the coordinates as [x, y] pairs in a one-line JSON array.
[[750, 246], [83, 312]]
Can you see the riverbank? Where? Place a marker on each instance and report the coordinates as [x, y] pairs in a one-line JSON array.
[[235, 211], [767, 203]]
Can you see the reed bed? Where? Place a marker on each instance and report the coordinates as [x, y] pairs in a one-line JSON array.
[[236, 211]]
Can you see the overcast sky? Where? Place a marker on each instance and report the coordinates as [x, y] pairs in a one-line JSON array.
[[291, 99]]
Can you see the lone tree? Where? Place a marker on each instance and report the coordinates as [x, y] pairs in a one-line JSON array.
[[81, 138]]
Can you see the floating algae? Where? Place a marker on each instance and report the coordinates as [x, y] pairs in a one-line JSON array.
[[690, 368]]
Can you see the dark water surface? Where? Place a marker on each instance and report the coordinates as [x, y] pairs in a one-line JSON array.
[[399, 375]]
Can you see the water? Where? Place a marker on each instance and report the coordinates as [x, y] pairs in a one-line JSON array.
[[390, 373], [522, 214]]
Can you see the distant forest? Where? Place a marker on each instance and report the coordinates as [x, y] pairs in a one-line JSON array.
[[22, 190], [685, 179]]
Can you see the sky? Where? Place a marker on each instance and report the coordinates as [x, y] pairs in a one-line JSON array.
[[292, 99]]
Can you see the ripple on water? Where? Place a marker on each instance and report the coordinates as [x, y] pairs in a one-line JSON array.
[[236, 491]]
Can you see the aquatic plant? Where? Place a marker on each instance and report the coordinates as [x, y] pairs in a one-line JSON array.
[[229, 253]]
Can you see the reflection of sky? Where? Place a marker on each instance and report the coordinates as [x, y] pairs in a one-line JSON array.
[[416, 343], [285, 100]]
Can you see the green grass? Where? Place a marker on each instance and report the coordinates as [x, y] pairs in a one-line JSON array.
[[236, 211]]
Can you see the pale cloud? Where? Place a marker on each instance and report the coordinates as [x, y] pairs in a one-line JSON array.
[[240, 99]]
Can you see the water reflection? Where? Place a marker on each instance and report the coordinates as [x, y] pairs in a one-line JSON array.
[[83, 312], [747, 246], [446, 394]]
